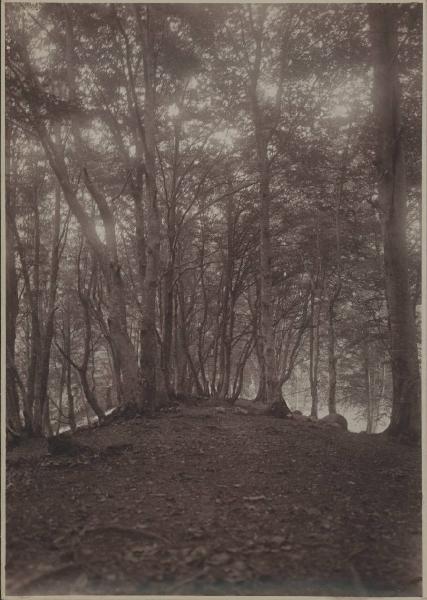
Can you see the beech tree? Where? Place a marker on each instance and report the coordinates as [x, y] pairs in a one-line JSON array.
[[392, 206]]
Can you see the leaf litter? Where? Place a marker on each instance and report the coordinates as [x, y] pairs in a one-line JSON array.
[[233, 504]]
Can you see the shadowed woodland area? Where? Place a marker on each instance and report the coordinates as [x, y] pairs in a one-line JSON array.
[[213, 292]]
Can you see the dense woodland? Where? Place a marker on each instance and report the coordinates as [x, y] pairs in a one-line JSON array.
[[213, 202]]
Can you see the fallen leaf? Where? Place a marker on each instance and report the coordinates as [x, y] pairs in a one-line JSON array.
[[219, 559], [254, 498]]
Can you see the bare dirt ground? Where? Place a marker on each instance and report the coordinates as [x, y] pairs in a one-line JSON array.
[[201, 502]]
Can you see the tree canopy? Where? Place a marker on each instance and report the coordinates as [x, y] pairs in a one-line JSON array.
[[195, 206]]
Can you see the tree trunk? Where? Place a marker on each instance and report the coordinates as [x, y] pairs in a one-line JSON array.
[[67, 351], [61, 392], [184, 340], [13, 418], [316, 308], [180, 357], [335, 293], [149, 358], [406, 407], [170, 270], [226, 309], [43, 380], [82, 370], [32, 291], [332, 359], [271, 387], [367, 384]]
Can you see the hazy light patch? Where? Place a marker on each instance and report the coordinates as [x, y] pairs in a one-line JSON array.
[[340, 110], [193, 84], [100, 231], [268, 90], [226, 137], [173, 111], [351, 93], [174, 24], [340, 100], [132, 150]]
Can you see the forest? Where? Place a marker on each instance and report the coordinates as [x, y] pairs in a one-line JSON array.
[[213, 248]]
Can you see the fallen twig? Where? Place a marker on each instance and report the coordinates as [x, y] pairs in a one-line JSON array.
[[357, 580], [129, 531], [179, 584], [21, 586]]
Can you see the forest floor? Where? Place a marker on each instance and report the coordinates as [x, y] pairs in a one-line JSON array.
[[204, 502]]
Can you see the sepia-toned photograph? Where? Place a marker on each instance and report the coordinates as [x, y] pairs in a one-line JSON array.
[[212, 299]]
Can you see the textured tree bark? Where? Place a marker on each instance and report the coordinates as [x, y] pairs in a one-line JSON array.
[[168, 324], [149, 352], [169, 280], [61, 385], [184, 341], [41, 404], [367, 383], [332, 359], [271, 388], [117, 323], [336, 291], [32, 293], [84, 297], [204, 356], [12, 398], [254, 304], [239, 371], [316, 309], [390, 162], [179, 352], [226, 308], [117, 320], [67, 352]]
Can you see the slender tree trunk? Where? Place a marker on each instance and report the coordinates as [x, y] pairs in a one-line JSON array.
[[316, 309], [33, 298], [406, 407], [43, 379], [267, 331], [367, 384], [229, 299], [67, 351], [335, 294], [180, 356], [12, 398], [149, 358], [168, 323], [229, 348], [239, 371], [185, 344], [271, 387], [381, 396], [169, 280], [141, 253], [254, 308], [203, 353], [82, 370], [332, 359], [61, 392]]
